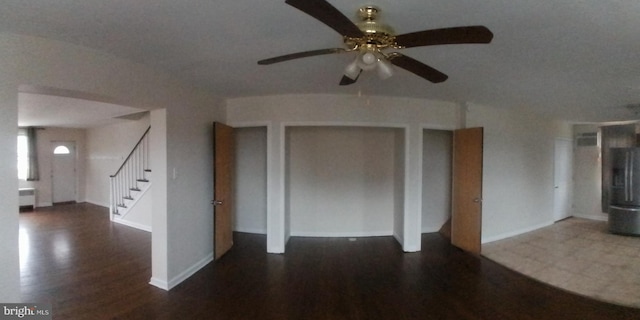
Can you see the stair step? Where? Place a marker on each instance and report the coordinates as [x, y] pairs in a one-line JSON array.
[[121, 205], [143, 180], [116, 213], [135, 189], [127, 198], [147, 170]]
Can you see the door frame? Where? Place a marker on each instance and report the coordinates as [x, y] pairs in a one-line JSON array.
[[74, 155], [567, 143]]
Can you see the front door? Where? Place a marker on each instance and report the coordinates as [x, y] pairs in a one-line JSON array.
[[466, 215], [63, 171], [223, 171]]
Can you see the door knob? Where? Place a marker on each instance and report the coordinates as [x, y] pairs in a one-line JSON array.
[[216, 202], [477, 200]]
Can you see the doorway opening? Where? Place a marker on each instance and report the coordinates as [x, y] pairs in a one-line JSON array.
[[344, 181], [436, 178], [250, 180]]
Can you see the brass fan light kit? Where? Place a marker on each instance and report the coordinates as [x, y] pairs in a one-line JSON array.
[[370, 38]]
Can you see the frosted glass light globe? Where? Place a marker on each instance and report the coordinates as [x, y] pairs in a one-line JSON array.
[[367, 61], [369, 58]]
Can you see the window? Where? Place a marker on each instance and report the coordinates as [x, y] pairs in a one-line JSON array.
[[23, 156], [27, 154], [61, 150]]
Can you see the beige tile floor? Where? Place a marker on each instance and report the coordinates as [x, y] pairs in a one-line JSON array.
[[578, 255]]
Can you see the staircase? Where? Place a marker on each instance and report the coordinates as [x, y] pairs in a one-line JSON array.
[[132, 179]]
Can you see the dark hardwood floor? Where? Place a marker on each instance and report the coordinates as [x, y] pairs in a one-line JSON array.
[[89, 268]]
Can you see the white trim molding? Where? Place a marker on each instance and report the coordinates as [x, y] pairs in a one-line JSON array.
[[184, 275]]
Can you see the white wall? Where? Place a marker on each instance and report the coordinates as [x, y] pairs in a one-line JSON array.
[[10, 267], [399, 180], [281, 112], [341, 180], [517, 169], [251, 180], [333, 108], [518, 157], [107, 148], [436, 179], [42, 63], [190, 189], [45, 137], [587, 174]]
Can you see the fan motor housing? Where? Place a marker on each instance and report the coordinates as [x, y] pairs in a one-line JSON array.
[[377, 36]]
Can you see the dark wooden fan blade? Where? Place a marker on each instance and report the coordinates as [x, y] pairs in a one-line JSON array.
[[299, 55], [457, 35], [328, 15], [345, 81], [417, 67]]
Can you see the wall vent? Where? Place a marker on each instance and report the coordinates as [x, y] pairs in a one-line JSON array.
[[587, 139]]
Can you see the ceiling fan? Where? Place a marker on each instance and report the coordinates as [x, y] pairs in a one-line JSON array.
[[370, 39]]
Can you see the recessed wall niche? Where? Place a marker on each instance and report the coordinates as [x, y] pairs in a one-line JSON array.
[[344, 181]]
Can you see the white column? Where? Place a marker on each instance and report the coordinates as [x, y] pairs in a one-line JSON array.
[[159, 236], [276, 228], [413, 189]]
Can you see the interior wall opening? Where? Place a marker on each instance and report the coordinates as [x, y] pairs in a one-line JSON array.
[[97, 133], [436, 178], [250, 180], [344, 181]]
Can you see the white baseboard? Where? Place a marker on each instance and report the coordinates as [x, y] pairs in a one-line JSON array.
[[251, 230], [598, 217], [159, 283], [515, 232], [97, 203], [132, 224], [431, 230], [275, 249], [399, 239], [44, 204], [343, 234], [184, 275]]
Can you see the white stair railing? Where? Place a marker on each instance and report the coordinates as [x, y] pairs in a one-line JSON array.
[[131, 172]]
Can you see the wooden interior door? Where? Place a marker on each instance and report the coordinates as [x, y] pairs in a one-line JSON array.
[[466, 215], [223, 171]]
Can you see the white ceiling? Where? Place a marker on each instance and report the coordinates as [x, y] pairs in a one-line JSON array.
[[573, 59], [40, 110]]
